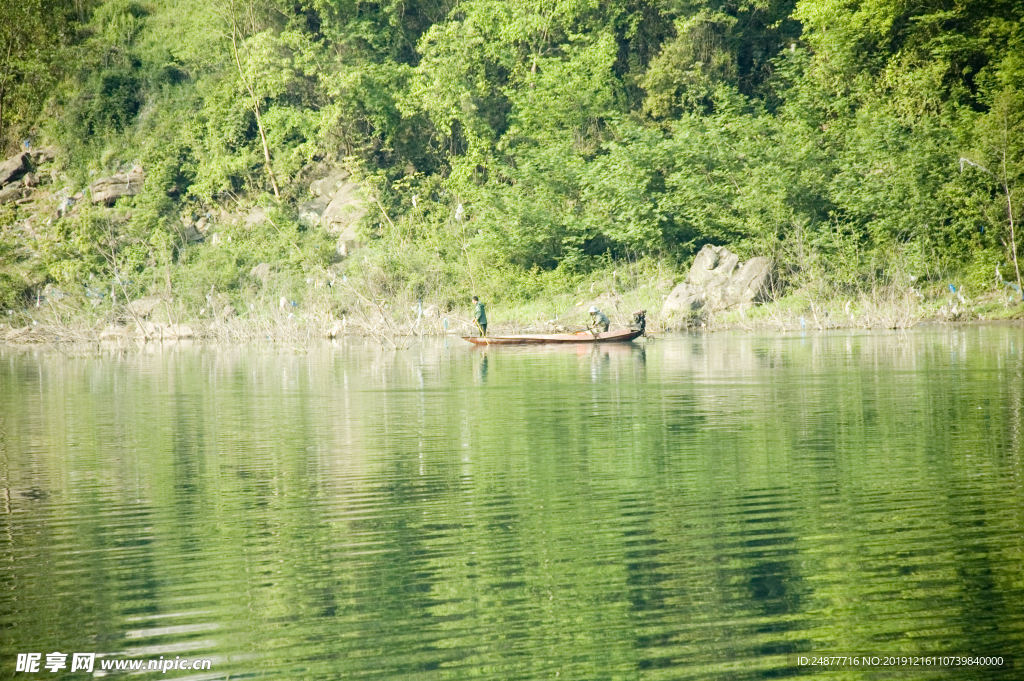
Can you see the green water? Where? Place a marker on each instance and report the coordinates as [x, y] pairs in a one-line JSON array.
[[700, 507]]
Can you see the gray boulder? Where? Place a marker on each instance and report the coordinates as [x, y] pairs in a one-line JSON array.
[[712, 266], [346, 207], [151, 331], [43, 154], [750, 283], [107, 190], [310, 212], [348, 241], [114, 333], [143, 307], [329, 184], [178, 331], [12, 192], [337, 205], [255, 216], [718, 281], [13, 168], [261, 272], [192, 234]]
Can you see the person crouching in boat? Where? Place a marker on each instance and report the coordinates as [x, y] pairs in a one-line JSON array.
[[480, 315], [599, 320]]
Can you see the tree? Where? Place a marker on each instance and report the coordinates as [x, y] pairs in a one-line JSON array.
[[269, 59], [32, 35], [1000, 154]]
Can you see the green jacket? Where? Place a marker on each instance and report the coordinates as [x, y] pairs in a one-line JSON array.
[[479, 313], [601, 321]]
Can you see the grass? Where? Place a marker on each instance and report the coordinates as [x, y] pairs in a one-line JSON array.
[[882, 308], [370, 304]]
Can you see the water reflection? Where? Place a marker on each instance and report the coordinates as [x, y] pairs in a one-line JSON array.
[[483, 368], [694, 508]]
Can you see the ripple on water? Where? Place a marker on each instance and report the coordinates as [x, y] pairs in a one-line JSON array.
[[699, 509]]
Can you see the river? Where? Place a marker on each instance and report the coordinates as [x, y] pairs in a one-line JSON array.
[[698, 507]]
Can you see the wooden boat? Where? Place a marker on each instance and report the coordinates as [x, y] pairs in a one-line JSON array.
[[538, 339], [639, 325]]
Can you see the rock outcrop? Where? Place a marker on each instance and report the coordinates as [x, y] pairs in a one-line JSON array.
[[346, 206], [43, 154], [143, 307], [107, 190], [311, 211], [192, 234], [23, 173], [261, 272], [718, 281], [255, 217], [152, 331], [336, 206], [115, 333], [12, 192], [14, 168]]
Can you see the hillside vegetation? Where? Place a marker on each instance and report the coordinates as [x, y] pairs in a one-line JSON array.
[[536, 152]]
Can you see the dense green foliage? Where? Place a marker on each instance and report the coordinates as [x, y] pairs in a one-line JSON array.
[[528, 143]]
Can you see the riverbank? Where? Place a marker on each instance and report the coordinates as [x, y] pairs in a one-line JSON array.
[[397, 323]]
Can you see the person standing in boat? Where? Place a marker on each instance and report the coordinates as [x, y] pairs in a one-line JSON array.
[[480, 315], [599, 320]]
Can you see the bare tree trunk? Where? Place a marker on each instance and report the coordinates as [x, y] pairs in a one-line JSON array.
[[1009, 202], [266, 148], [3, 90], [255, 103], [1013, 237]]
